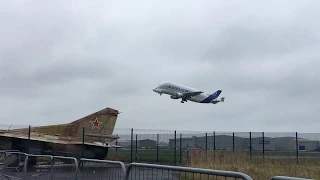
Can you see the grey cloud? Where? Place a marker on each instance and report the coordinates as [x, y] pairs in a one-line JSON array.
[[24, 83], [60, 63], [63, 72], [240, 42]]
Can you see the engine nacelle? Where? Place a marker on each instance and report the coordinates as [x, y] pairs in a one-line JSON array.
[[176, 96]]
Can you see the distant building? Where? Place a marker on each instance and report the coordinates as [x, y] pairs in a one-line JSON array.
[[147, 143], [240, 143], [144, 143], [125, 143]]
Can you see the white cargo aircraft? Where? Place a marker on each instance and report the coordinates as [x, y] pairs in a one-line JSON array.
[[178, 91]]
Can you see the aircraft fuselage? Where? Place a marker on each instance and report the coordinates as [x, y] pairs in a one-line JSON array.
[[176, 91]]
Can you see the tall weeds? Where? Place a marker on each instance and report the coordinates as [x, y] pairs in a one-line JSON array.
[[257, 167]]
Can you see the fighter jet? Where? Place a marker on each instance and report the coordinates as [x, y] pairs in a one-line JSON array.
[[66, 139]]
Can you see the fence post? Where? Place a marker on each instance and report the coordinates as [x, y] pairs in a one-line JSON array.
[[180, 148], [136, 147], [157, 148], [82, 150], [233, 141], [297, 148], [175, 147], [250, 148], [117, 146], [214, 144], [206, 144], [263, 144], [131, 153], [29, 136]]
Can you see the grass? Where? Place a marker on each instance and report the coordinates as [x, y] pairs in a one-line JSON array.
[[165, 156], [257, 168]]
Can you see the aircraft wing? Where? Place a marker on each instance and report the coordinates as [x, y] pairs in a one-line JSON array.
[[61, 140], [191, 94]]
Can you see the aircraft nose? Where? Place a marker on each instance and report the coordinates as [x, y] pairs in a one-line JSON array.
[[156, 90]]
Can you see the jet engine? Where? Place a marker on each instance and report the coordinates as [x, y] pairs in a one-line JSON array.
[[176, 96]]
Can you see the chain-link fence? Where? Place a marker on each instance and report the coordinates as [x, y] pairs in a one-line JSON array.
[[161, 146], [174, 147], [19, 165]]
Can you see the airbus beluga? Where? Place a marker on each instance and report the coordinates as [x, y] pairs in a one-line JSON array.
[[177, 91]]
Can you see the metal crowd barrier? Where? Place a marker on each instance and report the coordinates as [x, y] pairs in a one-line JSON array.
[[37, 172], [65, 169], [12, 160], [176, 171], [6, 177], [287, 178], [13, 164], [16, 166], [101, 169], [3, 170], [2, 157]]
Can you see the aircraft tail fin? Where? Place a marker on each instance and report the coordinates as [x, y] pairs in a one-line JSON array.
[[101, 122], [97, 126], [216, 94]]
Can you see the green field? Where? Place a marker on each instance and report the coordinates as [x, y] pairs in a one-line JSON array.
[[167, 156], [282, 163]]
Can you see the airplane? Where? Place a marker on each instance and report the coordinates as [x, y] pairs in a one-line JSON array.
[[65, 139], [177, 91]]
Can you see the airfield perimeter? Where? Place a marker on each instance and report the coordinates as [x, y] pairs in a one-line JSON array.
[[99, 170], [94, 172], [89, 134]]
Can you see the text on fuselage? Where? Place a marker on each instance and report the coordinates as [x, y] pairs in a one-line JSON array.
[[177, 88]]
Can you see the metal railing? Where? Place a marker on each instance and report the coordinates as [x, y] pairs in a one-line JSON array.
[[6, 177], [101, 169], [3, 169], [13, 165], [60, 167], [56, 167], [45, 172], [2, 156], [12, 159], [177, 170], [288, 178], [66, 168]]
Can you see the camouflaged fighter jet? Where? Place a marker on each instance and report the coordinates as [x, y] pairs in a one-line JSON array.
[[66, 139]]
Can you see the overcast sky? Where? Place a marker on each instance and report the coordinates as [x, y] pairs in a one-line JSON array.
[[62, 60]]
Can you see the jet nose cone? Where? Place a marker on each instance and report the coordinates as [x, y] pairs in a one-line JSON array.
[[157, 90]]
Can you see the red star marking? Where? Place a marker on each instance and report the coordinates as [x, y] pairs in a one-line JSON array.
[[95, 123]]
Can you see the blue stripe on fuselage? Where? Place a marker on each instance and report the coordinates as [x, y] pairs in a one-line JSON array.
[[211, 97]]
